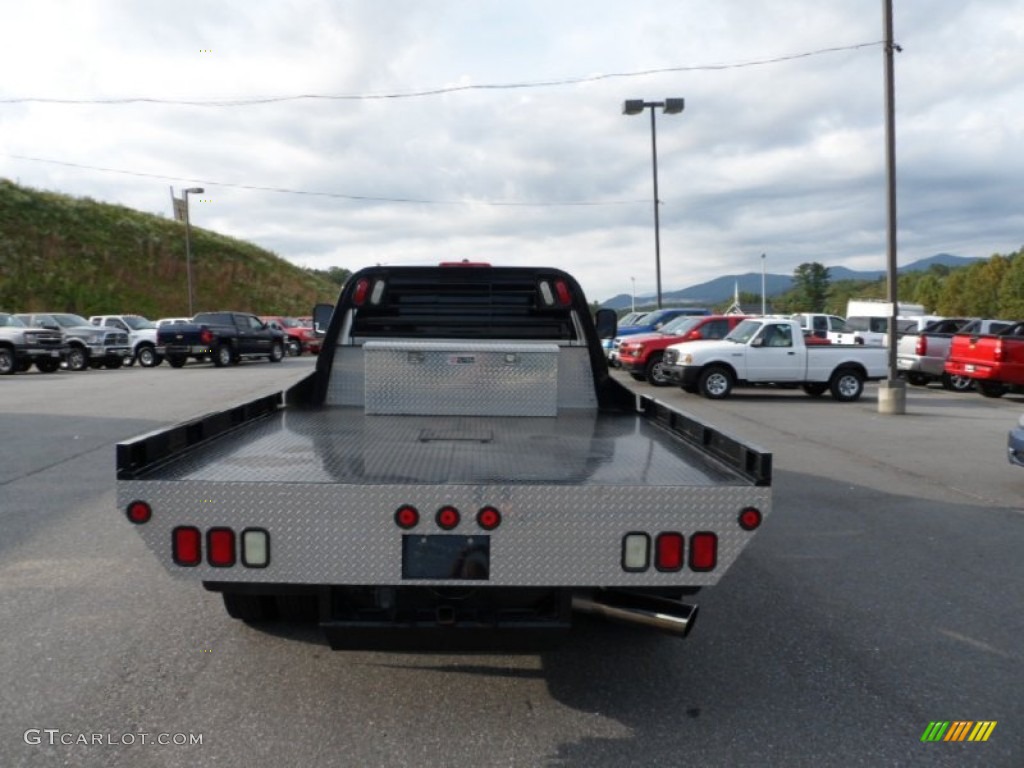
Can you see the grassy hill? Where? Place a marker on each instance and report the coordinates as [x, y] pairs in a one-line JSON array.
[[66, 254]]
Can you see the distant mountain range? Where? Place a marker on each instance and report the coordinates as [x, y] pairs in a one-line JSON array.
[[722, 288]]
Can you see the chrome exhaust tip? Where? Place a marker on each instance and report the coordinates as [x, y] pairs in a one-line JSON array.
[[660, 613]]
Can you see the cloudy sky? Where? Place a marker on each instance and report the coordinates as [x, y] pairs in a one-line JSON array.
[[493, 130]]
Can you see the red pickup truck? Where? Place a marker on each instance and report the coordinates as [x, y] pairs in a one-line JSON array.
[[994, 361], [642, 354]]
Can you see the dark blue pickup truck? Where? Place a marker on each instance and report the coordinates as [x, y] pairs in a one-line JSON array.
[[224, 337]]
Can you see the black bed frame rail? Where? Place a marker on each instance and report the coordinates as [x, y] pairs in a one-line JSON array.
[[145, 452], [751, 462]]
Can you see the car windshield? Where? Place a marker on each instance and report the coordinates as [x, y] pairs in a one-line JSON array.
[[743, 332], [680, 325], [633, 318], [137, 323], [10, 321], [70, 321], [290, 322]]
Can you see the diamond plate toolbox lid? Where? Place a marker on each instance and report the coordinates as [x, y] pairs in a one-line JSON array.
[[461, 378]]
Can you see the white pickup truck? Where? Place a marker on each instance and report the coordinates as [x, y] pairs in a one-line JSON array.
[[773, 351]]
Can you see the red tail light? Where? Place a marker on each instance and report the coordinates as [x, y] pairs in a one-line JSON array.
[[139, 512], [206, 336], [221, 545], [921, 348], [998, 352], [668, 551], [703, 551], [186, 546], [447, 517], [359, 295]]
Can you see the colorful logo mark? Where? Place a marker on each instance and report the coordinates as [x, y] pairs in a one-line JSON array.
[[958, 730]]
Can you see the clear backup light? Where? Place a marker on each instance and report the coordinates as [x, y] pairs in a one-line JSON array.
[[220, 545], [636, 552], [378, 292], [546, 295], [703, 551], [186, 546], [255, 548], [668, 551]]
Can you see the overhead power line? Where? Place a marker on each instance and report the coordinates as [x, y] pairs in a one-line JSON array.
[[443, 90], [337, 195]]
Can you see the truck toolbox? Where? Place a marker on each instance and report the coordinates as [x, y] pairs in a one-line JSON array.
[[458, 471]]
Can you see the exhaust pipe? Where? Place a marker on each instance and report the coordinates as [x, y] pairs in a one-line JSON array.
[[658, 613]]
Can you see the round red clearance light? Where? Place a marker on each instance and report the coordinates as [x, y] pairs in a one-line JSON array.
[[488, 518], [447, 517], [139, 512], [750, 518], [407, 517]]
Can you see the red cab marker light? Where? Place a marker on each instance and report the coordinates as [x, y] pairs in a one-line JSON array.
[[703, 551], [750, 518], [562, 290], [668, 551], [488, 518], [220, 544], [186, 546], [139, 512], [359, 295], [447, 517], [407, 517]]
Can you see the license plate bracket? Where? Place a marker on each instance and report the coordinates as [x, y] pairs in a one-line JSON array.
[[446, 557]]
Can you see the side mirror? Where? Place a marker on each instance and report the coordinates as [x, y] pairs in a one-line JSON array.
[[322, 314], [607, 323]]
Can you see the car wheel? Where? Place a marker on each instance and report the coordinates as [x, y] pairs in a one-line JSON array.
[[846, 385], [148, 357], [992, 388], [222, 355], [78, 359], [815, 388], [276, 352], [715, 382], [47, 364], [7, 363], [294, 348], [249, 608], [656, 371], [114, 362], [957, 383], [176, 361]]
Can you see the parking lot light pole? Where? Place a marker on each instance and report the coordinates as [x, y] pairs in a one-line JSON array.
[[188, 246], [669, 107]]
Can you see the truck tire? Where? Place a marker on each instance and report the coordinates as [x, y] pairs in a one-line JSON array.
[[7, 364], [176, 361], [249, 608], [815, 388], [294, 348], [956, 383], [276, 352], [847, 385], [47, 364], [223, 355], [715, 382], [78, 359], [655, 370], [147, 356], [992, 388]]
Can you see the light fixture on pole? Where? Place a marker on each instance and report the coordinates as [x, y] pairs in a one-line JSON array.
[[188, 246], [763, 302], [669, 107], [632, 301]]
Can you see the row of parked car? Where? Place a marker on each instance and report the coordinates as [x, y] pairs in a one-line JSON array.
[[54, 340]]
